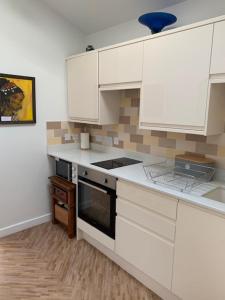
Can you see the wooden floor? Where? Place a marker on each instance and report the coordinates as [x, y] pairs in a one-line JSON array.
[[41, 263]]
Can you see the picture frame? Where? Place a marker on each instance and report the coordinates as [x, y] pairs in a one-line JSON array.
[[17, 99]]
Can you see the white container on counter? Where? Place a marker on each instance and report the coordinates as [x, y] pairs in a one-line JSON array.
[[84, 141]]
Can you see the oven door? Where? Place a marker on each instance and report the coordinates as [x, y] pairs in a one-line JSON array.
[[97, 206]]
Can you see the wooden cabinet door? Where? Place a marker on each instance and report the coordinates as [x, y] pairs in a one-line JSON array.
[[83, 87], [147, 252], [218, 50], [199, 262], [175, 80], [121, 64]]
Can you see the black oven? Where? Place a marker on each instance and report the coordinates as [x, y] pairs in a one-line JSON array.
[[97, 200]]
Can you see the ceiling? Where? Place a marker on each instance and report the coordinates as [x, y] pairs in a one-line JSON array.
[[94, 15]]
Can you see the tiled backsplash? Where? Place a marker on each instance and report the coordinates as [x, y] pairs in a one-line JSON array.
[[127, 135]]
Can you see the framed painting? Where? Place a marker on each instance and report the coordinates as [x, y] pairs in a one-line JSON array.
[[17, 99]]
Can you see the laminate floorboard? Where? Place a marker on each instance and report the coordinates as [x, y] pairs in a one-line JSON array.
[[41, 263]]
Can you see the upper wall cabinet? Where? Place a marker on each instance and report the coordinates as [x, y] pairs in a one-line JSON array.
[[218, 50], [121, 64], [85, 103], [174, 94], [83, 87]]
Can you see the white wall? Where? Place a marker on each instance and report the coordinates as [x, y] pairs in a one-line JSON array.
[[34, 42], [187, 12]]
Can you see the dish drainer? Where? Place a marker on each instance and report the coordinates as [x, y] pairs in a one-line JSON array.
[[180, 176]]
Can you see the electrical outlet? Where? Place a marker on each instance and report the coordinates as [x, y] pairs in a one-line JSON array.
[[76, 138], [116, 140], [67, 137]]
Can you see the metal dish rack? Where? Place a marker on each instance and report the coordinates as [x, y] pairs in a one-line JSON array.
[[182, 177]]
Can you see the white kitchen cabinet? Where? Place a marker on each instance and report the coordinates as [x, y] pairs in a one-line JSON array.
[[121, 64], [145, 250], [218, 50], [145, 230], [199, 261], [174, 94], [86, 104], [82, 78]]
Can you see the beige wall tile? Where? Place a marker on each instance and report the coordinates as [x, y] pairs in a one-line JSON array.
[[151, 140], [124, 120], [53, 125], [203, 148], [167, 143], [176, 136], [143, 148], [196, 138], [55, 141], [159, 133], [135, 138], [186, 145]]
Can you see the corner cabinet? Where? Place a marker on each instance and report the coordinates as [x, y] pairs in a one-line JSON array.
[[174, 95], [86, 104], [199, 272]]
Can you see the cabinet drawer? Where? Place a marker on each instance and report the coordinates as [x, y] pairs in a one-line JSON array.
[[59, 193], [150, 220], [150, 254], [61, 214], [158, 202]]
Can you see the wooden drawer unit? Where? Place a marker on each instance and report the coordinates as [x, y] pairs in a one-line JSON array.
[[61, 214], [60, 194], [146, 218], [63, 193], [155, 201]]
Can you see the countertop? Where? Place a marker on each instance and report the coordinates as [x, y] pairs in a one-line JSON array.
[[134, 173]]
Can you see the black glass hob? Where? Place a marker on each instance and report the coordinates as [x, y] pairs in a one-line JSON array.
[[116, 163]]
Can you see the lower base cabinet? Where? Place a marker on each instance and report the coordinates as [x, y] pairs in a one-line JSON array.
[[145, 250], [199, 262]]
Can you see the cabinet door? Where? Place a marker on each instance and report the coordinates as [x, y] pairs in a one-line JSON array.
[[199, 261], [147, 252], [121, 64], [175, 79], [218, 51], [83, 87]]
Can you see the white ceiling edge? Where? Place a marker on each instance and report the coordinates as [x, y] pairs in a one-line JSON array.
[[90, 16]]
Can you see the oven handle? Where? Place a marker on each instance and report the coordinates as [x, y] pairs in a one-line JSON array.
[[93, 186]]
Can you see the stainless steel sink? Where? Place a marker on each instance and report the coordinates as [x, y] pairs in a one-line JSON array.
[[217, 194]]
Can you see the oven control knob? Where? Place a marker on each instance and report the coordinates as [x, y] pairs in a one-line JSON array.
[[106, 180], [85, 173]]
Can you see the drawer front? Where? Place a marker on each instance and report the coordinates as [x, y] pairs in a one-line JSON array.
[[150, 254], [149, 220], [62, 195], [61, 214], [155, 201]]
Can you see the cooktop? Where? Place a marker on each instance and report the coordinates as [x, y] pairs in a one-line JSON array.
[[116, 163]]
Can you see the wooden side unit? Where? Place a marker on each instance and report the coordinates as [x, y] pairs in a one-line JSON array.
[[63, 191]]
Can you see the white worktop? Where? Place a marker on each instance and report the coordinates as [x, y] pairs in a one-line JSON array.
[[134, 173]]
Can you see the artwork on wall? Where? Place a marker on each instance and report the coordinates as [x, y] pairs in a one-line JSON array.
[[17, 99]]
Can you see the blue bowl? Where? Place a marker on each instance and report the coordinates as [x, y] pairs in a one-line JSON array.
[[156, 21]]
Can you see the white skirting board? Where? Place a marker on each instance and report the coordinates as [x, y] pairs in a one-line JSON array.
[[24, 225]]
